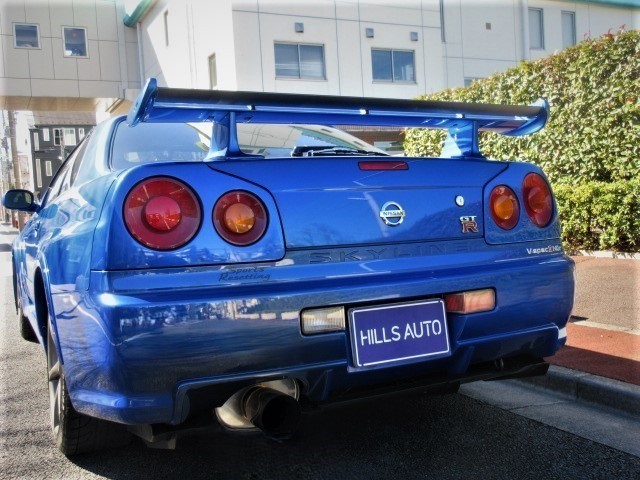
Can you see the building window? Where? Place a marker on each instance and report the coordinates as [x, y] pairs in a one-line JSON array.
[[38, 173], [393, 65], [297, 60], [536, 29], [48, 171], [213, 72], [36, 142], [568, 29], [45, 134], [57, 136], [80, 134], [26, 35], [166, 28], [75, 41], [70, 137]]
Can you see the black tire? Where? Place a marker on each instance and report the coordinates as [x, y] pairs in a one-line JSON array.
[[26, 330], [73, 432]]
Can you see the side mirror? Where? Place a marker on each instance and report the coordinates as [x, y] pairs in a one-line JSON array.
[[22, 200]]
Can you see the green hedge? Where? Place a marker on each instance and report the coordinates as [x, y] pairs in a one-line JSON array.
[[600, 215], [593, 134]]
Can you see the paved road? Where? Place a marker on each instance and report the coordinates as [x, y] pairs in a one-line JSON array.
[[408, 437]]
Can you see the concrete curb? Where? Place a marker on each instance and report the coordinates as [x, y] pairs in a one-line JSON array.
[[606, 392], [606, 254]]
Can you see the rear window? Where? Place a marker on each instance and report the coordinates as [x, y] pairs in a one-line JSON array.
[[159, 142], [189, 142]]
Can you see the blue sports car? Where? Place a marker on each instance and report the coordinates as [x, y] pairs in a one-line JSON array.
[[233, 256]]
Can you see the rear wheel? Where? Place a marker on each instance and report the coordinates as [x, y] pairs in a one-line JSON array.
[[73, 432], [26, 331]]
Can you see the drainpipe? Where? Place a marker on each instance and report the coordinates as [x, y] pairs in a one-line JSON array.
[[17, 174], [134, 20], [140, 53]]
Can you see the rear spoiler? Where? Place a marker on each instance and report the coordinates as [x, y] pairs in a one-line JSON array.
[[463, 121]]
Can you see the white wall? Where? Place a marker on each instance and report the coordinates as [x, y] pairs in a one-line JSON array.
[[45, 72], [340, 27], [592, 20], [482, 37]]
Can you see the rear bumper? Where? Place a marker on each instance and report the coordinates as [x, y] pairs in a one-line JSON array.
[[145, 347]]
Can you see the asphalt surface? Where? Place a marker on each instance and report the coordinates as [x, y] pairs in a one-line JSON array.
[[493, 430]]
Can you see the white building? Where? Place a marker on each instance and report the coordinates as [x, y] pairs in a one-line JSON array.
[[93, 54], [382, 48], [66, 55]]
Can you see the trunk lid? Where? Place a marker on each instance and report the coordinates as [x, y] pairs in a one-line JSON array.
[[326, 202]]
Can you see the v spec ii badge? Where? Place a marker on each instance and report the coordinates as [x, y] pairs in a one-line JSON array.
[[469, 224]]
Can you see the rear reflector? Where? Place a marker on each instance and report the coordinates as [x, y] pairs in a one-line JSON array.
[[471, 302], [323, 320], [383, 165]]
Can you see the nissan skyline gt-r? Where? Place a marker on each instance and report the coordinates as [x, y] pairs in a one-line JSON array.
[[233, 256]]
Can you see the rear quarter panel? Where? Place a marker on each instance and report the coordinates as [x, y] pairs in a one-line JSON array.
[[116, 249]]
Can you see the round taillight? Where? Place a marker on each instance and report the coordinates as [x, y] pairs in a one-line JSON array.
[[505, 209], [538, 201], [240, 218], [162, 213]]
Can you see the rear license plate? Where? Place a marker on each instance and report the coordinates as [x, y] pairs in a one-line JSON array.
[[399, 333]]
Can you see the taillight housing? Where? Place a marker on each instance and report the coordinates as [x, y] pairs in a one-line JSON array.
[[473, 301], [162, 213], [504, 207], [240, 218], [538, 201]]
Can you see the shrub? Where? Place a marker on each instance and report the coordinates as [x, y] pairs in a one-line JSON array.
[[600, 216]]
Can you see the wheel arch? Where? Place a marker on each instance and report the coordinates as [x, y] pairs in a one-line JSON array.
[[15, 280], [45, 314]]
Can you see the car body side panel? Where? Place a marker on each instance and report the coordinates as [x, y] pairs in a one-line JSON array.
[[115, 248], [57, 239], [525, 230]]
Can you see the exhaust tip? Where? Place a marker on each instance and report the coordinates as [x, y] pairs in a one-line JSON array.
[[276, 414]]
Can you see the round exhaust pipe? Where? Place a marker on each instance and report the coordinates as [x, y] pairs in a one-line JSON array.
[[273, 412]]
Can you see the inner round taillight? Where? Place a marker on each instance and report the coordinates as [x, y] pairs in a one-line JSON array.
[[162, 213], [538, 201], [504, 206], [240, 218]]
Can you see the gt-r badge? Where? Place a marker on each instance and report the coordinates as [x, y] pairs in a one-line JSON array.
[[392, 214], [469, 224]]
